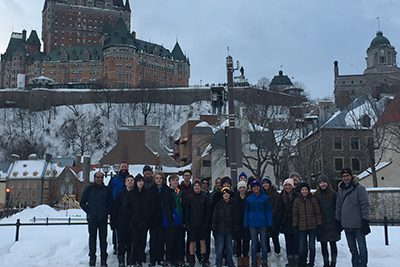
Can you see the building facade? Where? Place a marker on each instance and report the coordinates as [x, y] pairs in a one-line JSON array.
[[90, 42]]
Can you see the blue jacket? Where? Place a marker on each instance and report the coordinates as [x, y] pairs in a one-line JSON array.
[[116, 185], [257, 212], [96, 202]]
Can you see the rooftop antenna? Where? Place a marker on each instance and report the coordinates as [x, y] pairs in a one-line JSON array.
[[379, 23], [227, 48]]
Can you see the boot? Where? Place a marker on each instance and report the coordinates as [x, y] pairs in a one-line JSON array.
[[246, 261], [121, 261], [326, 264], [333, 264], [258, 260], [239, 262], [191, 259], [92, 261], [203, 259]]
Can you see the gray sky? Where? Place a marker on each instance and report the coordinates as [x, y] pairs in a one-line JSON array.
[[304, 37]]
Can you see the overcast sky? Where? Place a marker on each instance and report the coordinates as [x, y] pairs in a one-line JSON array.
[[302, 38]]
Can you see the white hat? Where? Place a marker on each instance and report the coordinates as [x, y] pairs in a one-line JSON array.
[[242, 184]]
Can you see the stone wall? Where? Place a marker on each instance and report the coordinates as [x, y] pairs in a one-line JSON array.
[[384, 202]]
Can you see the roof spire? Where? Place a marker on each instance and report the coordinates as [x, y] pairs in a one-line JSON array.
[[127, 6], [379, 23]]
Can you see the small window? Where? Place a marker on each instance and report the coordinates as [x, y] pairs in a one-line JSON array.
[[354, 143], [338, 164], [355, 165], [337, 143]]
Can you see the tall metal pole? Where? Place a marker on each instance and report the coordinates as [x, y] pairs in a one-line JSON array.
[[231, 116]]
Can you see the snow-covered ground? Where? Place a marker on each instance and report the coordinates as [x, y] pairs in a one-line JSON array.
[[60, 246]]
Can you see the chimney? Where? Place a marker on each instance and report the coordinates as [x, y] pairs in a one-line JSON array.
[[86, 170], [24, 35], [78, 161], [48, 157], [336, 68], [134, 35]]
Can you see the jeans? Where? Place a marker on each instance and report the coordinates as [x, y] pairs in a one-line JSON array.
[[292, 243], [224, 240], [242, 247], [101, 226], [359, 256], [307, 240], [254, 232]]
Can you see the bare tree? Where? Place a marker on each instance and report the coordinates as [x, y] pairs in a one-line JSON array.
[[271, 140], [263, 83], [82, 133]]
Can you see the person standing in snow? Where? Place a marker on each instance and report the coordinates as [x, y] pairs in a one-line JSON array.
[[308, 221], [258, 217], [148, 176], [116, 185], [352, 212], [288, 196], [274, 199], [122, 220], [96, 202], [328, 234], [223, 223], [241, 234], [139, 204], [197, 222]]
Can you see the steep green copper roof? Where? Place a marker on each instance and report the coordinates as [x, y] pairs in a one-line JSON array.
[[379, 40], [16, 44], [75, 53], [281, 80], [33, 38], [177, 52], [151, 48], [119, 35]]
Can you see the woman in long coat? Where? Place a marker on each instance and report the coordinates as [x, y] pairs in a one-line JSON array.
[[327, 202]]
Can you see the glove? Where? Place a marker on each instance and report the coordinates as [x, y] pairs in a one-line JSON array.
[[365, 229], [339, 227]]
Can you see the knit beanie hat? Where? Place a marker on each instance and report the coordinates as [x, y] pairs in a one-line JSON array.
[[254, 183], [226, 179], [242, 184], [225, 190], [346, 170], [244, 175], [266, 179], [304, 184], [288, 181], [323, 178]]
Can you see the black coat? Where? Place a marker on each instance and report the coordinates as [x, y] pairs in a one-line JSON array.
[[139, 207], [240, 232], [223, 219], [96, 202], [327, 203], [286, 214], [120, 209], [197, 211], [160, 200]]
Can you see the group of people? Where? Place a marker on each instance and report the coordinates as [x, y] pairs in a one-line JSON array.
[[182, 217]]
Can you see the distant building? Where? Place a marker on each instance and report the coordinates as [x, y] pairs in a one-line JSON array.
[[345, 140], [89, 43], [381, 76], [282, 83], [138, 145]]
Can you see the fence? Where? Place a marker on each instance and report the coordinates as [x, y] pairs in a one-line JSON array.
[[385, 222]]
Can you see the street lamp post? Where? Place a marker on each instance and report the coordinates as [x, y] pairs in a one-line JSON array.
[[231, 116]]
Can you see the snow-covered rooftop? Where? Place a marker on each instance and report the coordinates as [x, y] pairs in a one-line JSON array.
[[368, 171], [28, 169]]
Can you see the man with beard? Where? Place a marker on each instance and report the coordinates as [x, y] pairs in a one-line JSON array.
[[148, 176], [96, 202], [116, 185]]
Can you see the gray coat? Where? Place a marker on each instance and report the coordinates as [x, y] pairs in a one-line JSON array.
[[351, 210]]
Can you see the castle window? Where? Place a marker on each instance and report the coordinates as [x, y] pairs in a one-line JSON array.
[[381, 59], [338, 162], [337, 143]]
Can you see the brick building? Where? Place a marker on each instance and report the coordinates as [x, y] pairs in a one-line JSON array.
[[90, 44]]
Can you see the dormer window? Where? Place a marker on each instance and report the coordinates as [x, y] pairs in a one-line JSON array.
[[35, 173]]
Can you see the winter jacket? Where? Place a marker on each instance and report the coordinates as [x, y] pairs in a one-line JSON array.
[[187, 190], [168, 207], [240, 232], [117, 184], [354, 208], [327, 204], [162, 203], [139, 204], [306, 213], [258, 212], [286, 214], [197, 211], [223, 219], [96, 202], [121, 212], [178, 211], [274, 199]]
